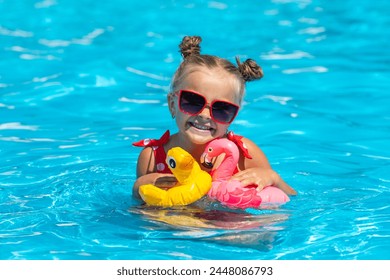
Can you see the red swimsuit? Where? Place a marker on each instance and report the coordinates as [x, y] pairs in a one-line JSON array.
[[160, 155]]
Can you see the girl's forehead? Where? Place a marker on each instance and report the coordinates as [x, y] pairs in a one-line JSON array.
[[215, 72], [214, 80]]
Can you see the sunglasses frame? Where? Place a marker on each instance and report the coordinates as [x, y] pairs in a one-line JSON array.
[[179, 94]]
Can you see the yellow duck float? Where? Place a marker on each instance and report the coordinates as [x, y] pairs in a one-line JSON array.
[[193, 183]]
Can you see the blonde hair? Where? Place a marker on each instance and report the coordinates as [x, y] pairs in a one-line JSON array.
[[247, 71]]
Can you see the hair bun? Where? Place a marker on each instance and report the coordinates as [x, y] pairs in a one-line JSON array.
[[190, 45], [249, 70]]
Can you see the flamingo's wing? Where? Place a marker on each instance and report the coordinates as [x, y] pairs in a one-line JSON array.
[[232, 194], [273, 195]]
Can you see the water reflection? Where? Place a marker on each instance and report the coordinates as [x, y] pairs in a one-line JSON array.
[[222, 226]]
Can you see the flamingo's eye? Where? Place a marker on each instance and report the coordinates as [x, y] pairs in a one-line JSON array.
[[210, 149]]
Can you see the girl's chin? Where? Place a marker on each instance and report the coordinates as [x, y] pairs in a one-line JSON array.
[[199, 136]]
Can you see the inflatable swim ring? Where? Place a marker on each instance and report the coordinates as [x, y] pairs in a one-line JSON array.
[[232, 193], [193, 183]]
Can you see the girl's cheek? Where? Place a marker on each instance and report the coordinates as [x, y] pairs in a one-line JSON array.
[[222, 130]]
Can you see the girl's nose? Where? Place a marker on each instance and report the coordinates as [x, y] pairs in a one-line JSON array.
[[205, 113]]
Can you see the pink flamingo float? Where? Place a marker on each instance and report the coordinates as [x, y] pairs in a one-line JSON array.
[[232, 193]]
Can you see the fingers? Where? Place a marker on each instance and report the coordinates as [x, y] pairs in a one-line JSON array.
[[167, 178], [247, 179], [249, 182], [263, 177], [255, 177], [240, 175], [166, 181]]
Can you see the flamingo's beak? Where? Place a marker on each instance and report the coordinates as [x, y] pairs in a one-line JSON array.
[[206, 161]]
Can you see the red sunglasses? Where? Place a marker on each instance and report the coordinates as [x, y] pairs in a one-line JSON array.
[[192, 103]]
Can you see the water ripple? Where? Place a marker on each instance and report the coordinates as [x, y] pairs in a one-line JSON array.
[[15, 33], [17, 126], [85, 40]]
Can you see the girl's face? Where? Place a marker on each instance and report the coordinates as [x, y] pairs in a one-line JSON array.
[[213, 84]]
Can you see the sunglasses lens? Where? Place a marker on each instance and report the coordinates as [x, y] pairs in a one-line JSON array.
[[224, 112], [191, 103]]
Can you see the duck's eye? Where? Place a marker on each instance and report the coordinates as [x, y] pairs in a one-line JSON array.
[[171, 162], [210, 149]]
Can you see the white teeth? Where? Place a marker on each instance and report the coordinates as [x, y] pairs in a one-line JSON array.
[[198, 126]]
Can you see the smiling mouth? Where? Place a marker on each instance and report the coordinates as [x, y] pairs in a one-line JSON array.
[[201, 127]]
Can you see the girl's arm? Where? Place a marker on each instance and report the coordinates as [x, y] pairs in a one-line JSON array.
[[258, 170], [146, 173]]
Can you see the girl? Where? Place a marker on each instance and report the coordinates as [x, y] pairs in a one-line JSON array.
[[206, 95]]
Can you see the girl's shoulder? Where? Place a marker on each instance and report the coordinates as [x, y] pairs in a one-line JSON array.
[[242, 143], [258, 157], [148, 142], [251, 154], [152, 157]]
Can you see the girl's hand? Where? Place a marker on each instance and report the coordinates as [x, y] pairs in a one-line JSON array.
[[164, 181], [262, 177]]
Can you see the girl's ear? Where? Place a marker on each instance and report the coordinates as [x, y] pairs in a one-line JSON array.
[[171, 104]]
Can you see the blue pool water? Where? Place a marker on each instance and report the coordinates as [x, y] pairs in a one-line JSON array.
[[81, 80]]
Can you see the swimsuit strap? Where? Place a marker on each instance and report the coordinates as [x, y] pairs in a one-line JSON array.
[[153, 142], [158, 151], [240, 144]]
